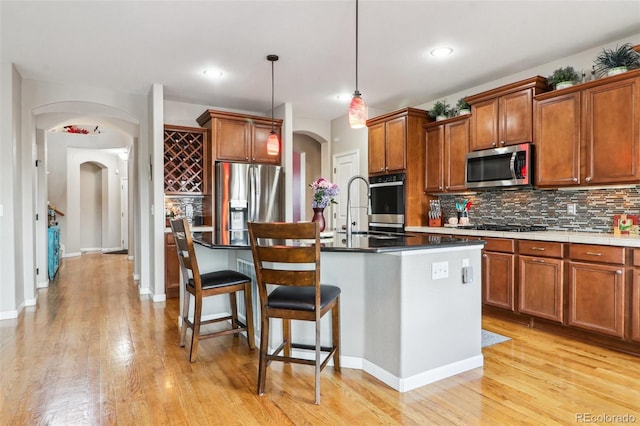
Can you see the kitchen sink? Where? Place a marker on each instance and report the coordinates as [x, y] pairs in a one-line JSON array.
[[377, 235]]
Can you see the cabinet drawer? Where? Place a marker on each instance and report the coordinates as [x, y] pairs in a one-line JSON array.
[[540, 248], [596, 253], [504, 245]]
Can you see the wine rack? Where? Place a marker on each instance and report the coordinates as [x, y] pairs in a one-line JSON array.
[[185, 160]]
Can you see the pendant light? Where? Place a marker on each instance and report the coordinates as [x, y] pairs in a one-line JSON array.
[[357, 108], [273, 144]]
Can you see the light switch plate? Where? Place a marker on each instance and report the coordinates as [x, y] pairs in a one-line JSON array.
[[439, 270], [467, 274]]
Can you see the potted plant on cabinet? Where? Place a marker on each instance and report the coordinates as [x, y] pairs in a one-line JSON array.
[[563, 77], [440, 110], [463, 107], [618, 60]]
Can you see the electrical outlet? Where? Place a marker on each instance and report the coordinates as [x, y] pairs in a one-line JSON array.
[[439, 270], [572, 208]]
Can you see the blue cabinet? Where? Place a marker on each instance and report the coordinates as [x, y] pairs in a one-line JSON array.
[[54, 250]]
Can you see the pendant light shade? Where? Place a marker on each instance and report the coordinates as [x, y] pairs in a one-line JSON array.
[[273, 144], [357, 108]]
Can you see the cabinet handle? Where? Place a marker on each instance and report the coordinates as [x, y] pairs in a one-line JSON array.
[[440, 188], [587, 179], [484, 255], [537, 260], [493, 144], [502, 143], [537, 248], [575, 179], [593, 253], [619, 272]]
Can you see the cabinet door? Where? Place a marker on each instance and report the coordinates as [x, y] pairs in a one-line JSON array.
[[171, 268], [395, 143], [232, 139], [557, 136], [456, 146], [540, 287], [596, 297], [516, 118], [434, 159], [376, 148], [259, 153], [497, 279], [611, 132], [635, 306], [484, 125]]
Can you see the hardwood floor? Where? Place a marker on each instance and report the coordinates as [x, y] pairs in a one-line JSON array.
[[95, 352]]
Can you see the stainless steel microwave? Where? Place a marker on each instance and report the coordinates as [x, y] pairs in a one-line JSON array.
[[500, 167]]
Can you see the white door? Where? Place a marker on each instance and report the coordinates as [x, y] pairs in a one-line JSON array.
[[345, 166], [124, 213]]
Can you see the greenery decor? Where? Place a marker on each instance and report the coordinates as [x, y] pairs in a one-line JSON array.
[[440, 108], [562, 75], [623, 56], [462, 105]]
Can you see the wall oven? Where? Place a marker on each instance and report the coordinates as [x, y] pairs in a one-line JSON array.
[[387, 202]]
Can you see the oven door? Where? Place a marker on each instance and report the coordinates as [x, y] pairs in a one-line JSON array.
[[387, 205]]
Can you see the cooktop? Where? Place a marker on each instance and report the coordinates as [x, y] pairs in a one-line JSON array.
[[506, 228]]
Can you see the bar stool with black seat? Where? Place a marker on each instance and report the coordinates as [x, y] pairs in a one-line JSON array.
[[293, 267], [205, 285]]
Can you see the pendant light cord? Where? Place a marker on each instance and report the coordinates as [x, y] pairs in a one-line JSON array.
[[357, 92], [272, 86]]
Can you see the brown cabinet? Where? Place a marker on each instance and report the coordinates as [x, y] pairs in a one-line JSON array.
[[498, 273], [186, 160], [447, 145], [240, 137], [540, 284], [635, 297], [171, 267], [397, 144], [504, 116], [588, 134], [597, 290], [391, 137]]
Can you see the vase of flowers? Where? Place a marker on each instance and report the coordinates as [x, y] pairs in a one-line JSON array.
[[324, 193]]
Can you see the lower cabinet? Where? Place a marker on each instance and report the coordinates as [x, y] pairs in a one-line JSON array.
[[171, 267], [540, 287], [597, 288], [635, 297], [498, 273]]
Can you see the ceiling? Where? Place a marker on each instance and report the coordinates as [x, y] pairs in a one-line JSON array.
[[128, 45]]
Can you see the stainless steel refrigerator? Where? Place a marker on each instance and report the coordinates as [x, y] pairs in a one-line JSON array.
[[243, 193]]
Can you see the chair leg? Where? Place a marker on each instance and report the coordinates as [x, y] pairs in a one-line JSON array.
[[264, 348], [197, 317], [249, 314], [318, 361], [335, 334], [185, 316], [286, 336], [233, 306]]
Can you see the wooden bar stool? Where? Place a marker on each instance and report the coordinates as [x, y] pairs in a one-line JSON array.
[[295, 271], [209, 284]]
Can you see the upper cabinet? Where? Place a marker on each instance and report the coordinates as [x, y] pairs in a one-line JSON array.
[[447, 144], [504, 116], [186, 164], [397, 144], [390, 136], [588, 134], [240, 137]]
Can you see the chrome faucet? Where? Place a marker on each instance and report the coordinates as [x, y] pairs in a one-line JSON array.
[[350, 224]]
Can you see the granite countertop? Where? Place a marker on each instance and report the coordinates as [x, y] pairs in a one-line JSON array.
[[602, 238], [360, 243]]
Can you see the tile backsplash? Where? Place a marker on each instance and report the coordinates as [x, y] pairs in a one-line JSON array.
[[594, 207], [189, 206]]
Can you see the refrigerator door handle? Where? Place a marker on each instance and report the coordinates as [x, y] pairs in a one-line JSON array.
[[252, 194]]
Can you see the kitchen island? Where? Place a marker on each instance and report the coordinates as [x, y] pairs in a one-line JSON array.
[[399, 322]]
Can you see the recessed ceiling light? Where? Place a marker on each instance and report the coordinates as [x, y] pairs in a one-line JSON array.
[[344, 97], [442, 51], [212, 73]]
